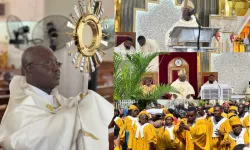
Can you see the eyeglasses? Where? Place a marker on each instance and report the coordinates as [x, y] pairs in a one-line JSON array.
[[49, 63]]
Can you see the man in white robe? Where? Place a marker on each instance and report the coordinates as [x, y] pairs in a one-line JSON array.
[[217, 42], [211, 80], [186, 91], [147, 45], [126, 47], [39, 118], [248, 91], [187, 20]]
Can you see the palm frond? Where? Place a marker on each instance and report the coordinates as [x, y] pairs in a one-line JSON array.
[[128, 72]]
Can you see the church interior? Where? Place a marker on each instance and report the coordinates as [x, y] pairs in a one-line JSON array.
[[153, 18], [34, 16], [227, 68]]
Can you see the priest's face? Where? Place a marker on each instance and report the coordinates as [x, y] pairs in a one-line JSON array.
[[44, 69], [185, 14], [127, 44], [182, 78], [211, 79], [142, 42], [148, 82]]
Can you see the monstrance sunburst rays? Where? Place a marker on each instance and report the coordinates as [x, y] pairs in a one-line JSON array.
[[87, 57]]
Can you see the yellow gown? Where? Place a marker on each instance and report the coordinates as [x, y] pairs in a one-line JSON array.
[[147, 89], [117, 148], [142, 143], [246, 121], [167, 140], [243, 138], [224, 115], [196, 138], [159, 141], [120, 124], [224, 127], [128, 122]]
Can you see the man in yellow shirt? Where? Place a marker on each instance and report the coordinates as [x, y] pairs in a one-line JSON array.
[[130, 120], [148, 86], [143, 135], [201, 112], [238, 135], [193, 132], [167, 140], [217, 127], [243, 115]]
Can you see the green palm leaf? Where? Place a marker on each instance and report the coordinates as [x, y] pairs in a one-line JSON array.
[[128, 71]]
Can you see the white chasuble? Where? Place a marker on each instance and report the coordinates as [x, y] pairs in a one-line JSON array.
[[184, 88], [181, 23], [29, 123]]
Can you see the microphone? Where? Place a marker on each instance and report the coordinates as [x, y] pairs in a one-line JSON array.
[[192, 12]]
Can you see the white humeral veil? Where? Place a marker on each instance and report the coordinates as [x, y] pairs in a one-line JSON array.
[[78, 124]]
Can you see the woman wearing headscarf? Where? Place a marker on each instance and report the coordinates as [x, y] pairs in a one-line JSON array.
[[238, 135], [167, 140], [143, 134]]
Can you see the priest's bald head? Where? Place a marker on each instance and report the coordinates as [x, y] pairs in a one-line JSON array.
[[182, 75], [41, 68]]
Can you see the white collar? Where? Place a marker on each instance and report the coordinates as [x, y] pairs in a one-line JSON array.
[[39, 91], [44, 95], [170, 131], [240, 138], [140, 129], [134, 119], [116, 118], [216, 125]]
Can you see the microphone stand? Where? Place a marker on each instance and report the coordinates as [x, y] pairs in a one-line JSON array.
[[198, 40]]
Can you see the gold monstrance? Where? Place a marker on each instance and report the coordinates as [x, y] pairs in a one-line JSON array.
[[87, 56]]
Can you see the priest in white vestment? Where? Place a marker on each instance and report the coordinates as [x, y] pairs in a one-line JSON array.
[[186, 91], [147, 45], [39, 118], [126, 47], [211, 80], [187, 20], [247, 43], [217, 42]]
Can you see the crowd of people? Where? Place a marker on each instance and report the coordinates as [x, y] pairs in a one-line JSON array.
[[217, 127]]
